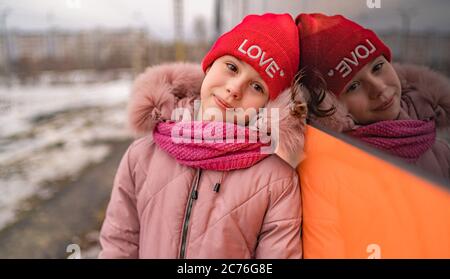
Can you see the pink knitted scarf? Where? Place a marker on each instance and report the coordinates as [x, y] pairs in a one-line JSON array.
[[209, 145], [407, 139]]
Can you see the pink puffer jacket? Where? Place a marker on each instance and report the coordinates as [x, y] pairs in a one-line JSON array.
[[153, 211]]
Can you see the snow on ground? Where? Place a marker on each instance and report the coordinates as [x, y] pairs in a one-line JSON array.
[[53, 132], [20, 105]]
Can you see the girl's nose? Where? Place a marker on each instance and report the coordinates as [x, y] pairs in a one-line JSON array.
[[234, 87], [377, 87]]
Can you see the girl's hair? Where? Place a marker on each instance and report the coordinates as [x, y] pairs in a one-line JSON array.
[[317, 87], [298, 107]]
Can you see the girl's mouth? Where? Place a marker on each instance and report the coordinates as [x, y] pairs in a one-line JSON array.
[[221, 103], [385, 105]]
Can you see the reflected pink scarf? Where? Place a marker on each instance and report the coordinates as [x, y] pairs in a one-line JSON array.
[[209, 145], [407, 139]]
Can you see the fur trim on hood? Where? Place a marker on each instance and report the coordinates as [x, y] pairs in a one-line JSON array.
[[420, 78], [161, 89]]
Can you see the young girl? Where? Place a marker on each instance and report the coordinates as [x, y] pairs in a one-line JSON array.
[[199, 198], [355, 89]]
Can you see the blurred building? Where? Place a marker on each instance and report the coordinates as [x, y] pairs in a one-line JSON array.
[[27, 54], [68, 50]]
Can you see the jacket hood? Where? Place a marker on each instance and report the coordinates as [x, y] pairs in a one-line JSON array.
[[422, 79], [163, 88]]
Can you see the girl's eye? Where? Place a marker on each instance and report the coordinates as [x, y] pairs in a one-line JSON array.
[[352, 87], [377, 67], [232, 67], [258, 87]]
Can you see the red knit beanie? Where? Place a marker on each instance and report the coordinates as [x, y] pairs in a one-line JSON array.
[[337, 47], [269, 43]]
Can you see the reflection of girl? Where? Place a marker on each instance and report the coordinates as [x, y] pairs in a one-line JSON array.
[[394, 108], [206, 199]]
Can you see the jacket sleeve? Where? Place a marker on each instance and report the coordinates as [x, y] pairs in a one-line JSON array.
[[280, 234], [119, 236], [433, 87]]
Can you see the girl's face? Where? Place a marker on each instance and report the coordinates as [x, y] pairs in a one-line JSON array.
[[374, 93], [232, 91]]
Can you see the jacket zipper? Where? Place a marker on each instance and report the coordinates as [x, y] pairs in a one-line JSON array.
[[192, 197]]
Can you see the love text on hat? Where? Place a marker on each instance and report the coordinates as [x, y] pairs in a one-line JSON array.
[[255, 52], [361, 51]]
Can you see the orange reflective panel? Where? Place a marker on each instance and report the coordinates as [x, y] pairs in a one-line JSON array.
[[358, 205]]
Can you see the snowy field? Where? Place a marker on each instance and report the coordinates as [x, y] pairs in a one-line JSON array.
[[51, 132]]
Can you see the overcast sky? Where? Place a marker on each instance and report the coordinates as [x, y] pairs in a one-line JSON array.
[[157, 15]]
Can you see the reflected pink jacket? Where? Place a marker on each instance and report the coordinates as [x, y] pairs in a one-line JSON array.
[[153, 211]]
